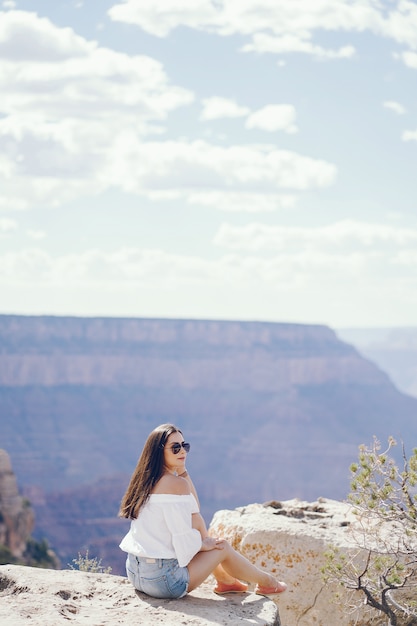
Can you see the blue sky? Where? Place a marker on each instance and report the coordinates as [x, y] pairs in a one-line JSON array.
[[229, 159]]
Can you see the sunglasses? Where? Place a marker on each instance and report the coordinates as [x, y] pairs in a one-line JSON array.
[[176, 447]]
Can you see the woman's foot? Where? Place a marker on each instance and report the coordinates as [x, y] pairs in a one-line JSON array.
[[276, 587], [234, 587]]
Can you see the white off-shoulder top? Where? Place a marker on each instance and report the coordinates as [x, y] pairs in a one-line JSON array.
[[163, 529]]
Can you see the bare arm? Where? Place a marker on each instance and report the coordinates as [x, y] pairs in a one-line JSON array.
[[198, 520], [192, 487]]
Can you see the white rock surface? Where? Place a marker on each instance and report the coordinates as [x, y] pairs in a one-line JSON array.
[[289, 539], [38, 597]]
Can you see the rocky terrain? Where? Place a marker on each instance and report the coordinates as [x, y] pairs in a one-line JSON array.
[[291, 539], [273, 411], [46, 598]]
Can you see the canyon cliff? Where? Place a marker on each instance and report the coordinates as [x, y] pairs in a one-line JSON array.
[[16, 515], [273, 411], [17, 521]]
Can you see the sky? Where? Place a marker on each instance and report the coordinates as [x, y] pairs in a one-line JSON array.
[[210, 159]]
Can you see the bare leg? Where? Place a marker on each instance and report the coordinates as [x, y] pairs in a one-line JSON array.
[[219, 573], [233, 563]]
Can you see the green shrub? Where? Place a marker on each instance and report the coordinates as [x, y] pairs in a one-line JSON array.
[[86, 564], [383, 568]]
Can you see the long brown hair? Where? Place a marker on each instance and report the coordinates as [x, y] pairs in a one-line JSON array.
[[148, 471]]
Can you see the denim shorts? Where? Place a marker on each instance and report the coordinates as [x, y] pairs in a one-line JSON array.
[[159, 578]]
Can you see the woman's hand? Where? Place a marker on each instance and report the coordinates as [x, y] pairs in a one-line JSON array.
[[211, 543]]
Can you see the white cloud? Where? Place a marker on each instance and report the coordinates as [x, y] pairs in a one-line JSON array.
[[263, 42], [159, 17], [395, 106], [76, 118], [7, 226], [199, 165], [24, 191], [276, 26], [360, 264], [36, 234], [400, 23], [409, 59], [7, 166], [229, 201], [340, 236], [285, 286], [9, 4], [407, 258], [97, 85], [217, 108], [65, 103], [95, 267], [297, 256], [144, 268], [236, 201], [409, 135], [273, 117], [21, 41]]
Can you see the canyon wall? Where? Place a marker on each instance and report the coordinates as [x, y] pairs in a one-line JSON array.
[[272, 411]]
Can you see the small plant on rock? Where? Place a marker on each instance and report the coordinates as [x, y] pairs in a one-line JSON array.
[[381, 569], [86, 564]]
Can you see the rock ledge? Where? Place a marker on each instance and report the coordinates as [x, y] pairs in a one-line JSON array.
[[52, 598]]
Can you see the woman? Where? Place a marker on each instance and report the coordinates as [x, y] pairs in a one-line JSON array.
[[169, 550]]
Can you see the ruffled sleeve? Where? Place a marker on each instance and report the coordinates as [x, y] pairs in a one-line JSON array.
[[186, 540]]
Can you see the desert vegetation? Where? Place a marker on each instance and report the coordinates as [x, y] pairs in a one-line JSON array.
[[85, 563], [381, 569]]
